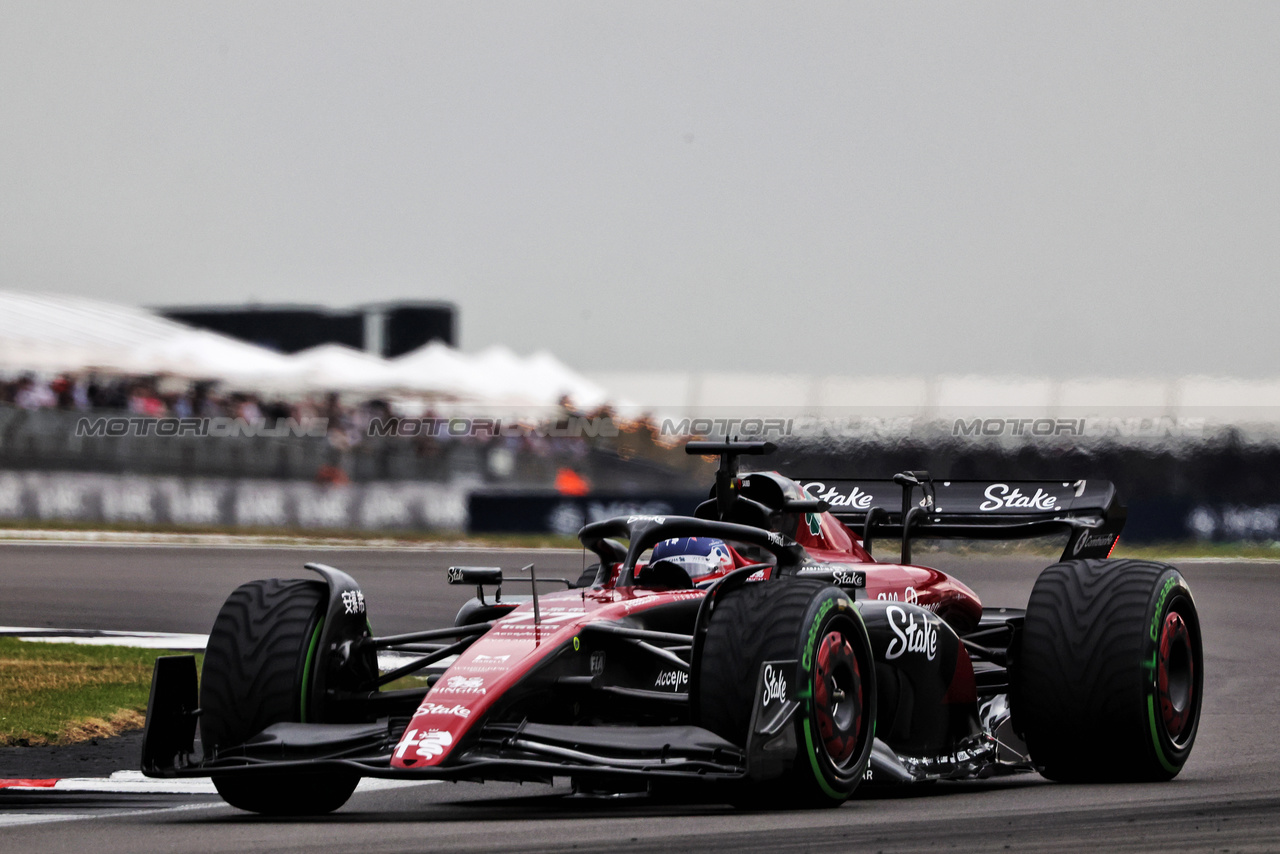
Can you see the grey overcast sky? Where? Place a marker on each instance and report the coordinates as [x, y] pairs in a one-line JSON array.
[[922, 187]]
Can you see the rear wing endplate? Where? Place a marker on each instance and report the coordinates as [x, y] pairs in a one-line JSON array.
[[913, 505]]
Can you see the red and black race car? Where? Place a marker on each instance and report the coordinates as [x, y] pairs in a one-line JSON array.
[[797, 671]]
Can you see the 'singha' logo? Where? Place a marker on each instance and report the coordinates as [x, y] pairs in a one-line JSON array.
[[464, 685]]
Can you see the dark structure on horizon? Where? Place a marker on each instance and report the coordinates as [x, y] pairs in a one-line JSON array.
[[388, 329]]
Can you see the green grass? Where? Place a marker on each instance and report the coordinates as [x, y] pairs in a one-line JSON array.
[[52, 693], [405, 682]]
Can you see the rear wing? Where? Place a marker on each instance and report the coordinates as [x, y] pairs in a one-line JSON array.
[[913, 505]]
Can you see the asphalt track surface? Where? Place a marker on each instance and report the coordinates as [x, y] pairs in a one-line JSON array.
[[1226, 799]]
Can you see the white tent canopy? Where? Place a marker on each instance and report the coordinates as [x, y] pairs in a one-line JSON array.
[[441, 371], [495, 374], [334, 367], [199, 354], [59, 333], [53, 334]]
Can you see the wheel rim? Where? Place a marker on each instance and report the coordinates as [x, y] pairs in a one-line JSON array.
[[837, 695], [1175, 676]]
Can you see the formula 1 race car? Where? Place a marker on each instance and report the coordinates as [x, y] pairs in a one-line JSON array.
[[796, 670]]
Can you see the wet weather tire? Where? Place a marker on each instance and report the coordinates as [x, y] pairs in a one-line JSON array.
[[816, 624], [1109, 679], [258, 664]]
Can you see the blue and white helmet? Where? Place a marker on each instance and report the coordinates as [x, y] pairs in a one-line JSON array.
[[697, 556]]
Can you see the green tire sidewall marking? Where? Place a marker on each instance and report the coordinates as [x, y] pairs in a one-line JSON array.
[[306, 668], [1164, 594], [813, 761], [1156, 621], [806, 660], [1155, 736], [806, 663]]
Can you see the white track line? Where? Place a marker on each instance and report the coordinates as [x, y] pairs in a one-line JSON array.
[[20, 818], [133, 539], [142, 640], [126, 782], [11, 819], [133, 782]]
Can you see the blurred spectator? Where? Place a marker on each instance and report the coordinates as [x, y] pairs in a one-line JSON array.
[[144, 400], [64, 391], [31, 394], [547, 450], [181, 406], [244, 406], [80, 394]]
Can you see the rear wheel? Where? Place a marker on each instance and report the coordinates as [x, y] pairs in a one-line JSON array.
[[258, 666], [817, 625], [1109, 680]]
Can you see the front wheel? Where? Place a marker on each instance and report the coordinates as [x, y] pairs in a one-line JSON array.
[[817, 625], [258, 667], [1109, 681], [288, 794]]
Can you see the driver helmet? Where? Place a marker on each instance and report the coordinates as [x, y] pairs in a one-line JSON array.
[[698, 556]]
